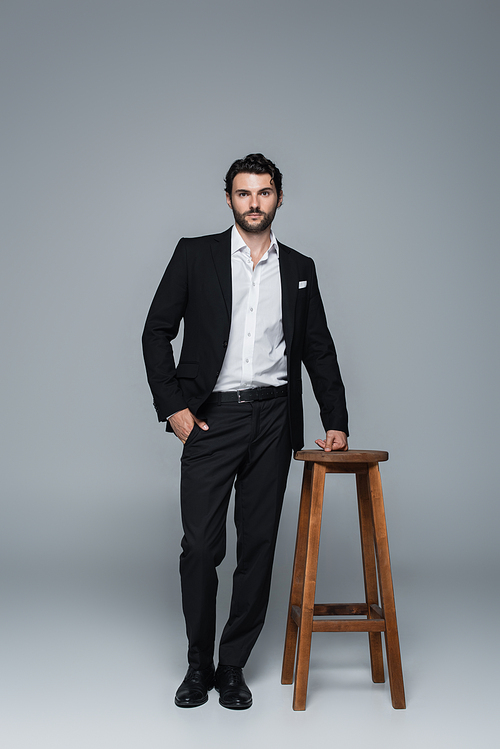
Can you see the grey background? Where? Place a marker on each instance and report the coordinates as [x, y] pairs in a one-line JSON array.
[[119, 122]]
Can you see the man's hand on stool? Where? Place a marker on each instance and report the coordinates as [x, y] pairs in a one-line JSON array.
[[335, 440]]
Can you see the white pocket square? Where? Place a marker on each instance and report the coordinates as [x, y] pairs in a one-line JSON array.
[[302, 284]]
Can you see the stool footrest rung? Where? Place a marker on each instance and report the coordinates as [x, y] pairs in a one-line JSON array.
[[348, 625], [347, 609], [377, 624]]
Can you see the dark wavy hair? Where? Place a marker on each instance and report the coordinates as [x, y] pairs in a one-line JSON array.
[[254, 163]]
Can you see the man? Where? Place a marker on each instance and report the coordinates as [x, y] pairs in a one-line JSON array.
[[252, 314]]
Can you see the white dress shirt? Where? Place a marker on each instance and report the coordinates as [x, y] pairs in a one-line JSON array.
[[255, 355]]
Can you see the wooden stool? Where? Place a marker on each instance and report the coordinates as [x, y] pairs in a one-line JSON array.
[[380, 617]]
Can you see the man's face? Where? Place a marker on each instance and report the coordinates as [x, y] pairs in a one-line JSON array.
[[254, 201]]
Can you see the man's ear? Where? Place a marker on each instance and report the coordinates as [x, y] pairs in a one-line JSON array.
[[280, 200], [228, 200]]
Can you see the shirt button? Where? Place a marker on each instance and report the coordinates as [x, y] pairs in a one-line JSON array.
[[249, 334], [247, 360], [251, 309]]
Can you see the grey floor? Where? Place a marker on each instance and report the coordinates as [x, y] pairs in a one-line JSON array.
[[93, 650]]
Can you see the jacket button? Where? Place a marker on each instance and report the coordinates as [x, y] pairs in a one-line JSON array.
[[225, 344]]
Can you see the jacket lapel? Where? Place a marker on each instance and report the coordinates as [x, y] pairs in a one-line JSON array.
[[221, 255], [289, 288]]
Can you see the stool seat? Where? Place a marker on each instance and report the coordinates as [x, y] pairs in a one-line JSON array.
[[379, 615], [343, 456]]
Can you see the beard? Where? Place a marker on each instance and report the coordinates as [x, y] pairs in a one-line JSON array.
[[254, 228]]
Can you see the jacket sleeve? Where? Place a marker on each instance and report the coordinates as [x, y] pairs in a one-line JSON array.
[[162, 326], [320, 360]]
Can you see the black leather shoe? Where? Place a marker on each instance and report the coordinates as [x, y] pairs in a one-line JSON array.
[[193, 691], [234, 693]]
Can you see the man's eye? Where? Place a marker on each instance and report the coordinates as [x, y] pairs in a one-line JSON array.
[[265, 193]]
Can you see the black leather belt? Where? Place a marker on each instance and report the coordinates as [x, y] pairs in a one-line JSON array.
[[246, 396]]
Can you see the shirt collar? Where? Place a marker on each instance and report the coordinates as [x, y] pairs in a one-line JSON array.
[[238, 243]]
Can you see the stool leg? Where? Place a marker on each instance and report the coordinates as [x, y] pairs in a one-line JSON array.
[[309, 589], [386, 590], [369, 572], [297, 586]]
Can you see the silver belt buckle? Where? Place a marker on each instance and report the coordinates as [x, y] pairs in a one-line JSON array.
[[240, 399]]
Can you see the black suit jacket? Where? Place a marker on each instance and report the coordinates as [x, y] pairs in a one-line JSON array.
[[197, 287]]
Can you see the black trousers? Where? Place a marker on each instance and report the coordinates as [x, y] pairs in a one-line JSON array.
[[247, 443]]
